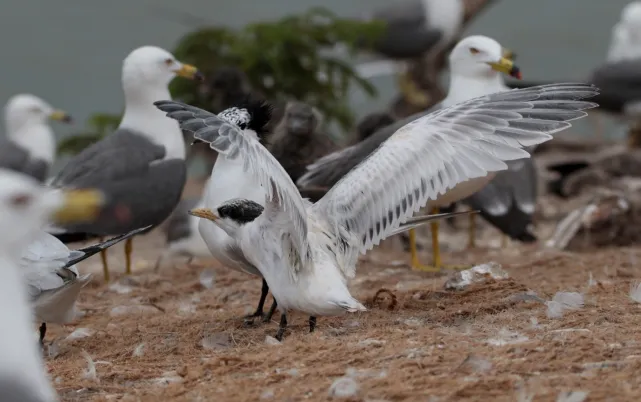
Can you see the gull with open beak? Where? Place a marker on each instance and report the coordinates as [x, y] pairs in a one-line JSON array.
[[29, 145], [140, 166], [477, 66], [307, 252]]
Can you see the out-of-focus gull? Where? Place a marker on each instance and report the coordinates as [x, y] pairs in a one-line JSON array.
[[412, 29], [141, 165], [307, 252], [476, 67], [25, 207], [49, 269], [29, 145], [625, 42]]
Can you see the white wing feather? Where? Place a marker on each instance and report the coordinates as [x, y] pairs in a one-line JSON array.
[[41, 261], [230, 141], [431, 155]]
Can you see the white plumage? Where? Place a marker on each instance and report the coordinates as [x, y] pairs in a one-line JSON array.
[[53, 289], [306, 252]]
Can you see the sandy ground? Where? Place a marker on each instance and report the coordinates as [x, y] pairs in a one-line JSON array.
[[168, 337]]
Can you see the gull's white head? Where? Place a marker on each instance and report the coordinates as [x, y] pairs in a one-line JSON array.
[[26, 206], [231, 215], [153, 66], [631, 13], [26, 110], [480, 56]]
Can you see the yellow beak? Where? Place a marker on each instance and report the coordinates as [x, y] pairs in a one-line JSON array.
[[508, 54], [204, 213], [60, 115], [79, 206], [189, 71], [506, 66]]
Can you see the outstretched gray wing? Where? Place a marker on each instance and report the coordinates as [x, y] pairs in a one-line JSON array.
[[132, 172]]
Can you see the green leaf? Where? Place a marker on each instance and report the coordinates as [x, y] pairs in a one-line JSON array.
[[291, 53]]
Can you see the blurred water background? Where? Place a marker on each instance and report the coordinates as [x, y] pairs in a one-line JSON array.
[[69, 52]]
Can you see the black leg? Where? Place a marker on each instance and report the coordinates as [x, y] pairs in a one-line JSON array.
[[268, 317], [282, 327], [312, 323], [261, 303], [43, 331]]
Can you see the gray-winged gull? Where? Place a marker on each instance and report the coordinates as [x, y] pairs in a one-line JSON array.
[[412, 29], [141, 165], [306, 252], [29, 145], [25, 207], [476, 65], [625, 42], [49, 269]]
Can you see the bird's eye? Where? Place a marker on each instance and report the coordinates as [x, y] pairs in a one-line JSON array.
[[474, 50], [20, 200], [242, 126], [169, 62], [35, 109]]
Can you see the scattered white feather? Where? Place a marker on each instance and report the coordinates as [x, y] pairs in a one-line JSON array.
[[507, 337], [119, 288], [90, 372], [569, 300], [555, 309], [344, 387], [207, 277], [476, 274], [635, 292], [572, 396], [80, 333], [139, 350]]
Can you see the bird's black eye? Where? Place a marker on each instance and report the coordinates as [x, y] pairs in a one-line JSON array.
[[169, 62], [474, 50], [242, 126]]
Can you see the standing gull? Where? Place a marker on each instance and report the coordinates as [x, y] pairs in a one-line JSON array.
[[29, 145], [476, 64], [412, 29], [307, 252], [141, 166], [25, 207], [49, 269]]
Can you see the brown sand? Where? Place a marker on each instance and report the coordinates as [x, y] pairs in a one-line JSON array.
[[417, 342]]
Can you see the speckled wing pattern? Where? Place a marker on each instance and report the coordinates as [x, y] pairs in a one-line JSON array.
[[432, 154], [229, 140]]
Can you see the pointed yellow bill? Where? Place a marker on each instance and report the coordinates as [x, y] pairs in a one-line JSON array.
[[204, 213], [506, 66], [60, 115], [79, 206], [189, 71]]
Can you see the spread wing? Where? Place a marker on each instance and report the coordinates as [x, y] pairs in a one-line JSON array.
[[431, 155], [229, 140]]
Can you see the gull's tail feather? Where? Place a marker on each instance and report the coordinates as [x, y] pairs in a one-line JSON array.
[[417, 221], [96, 248], [58, 305]]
